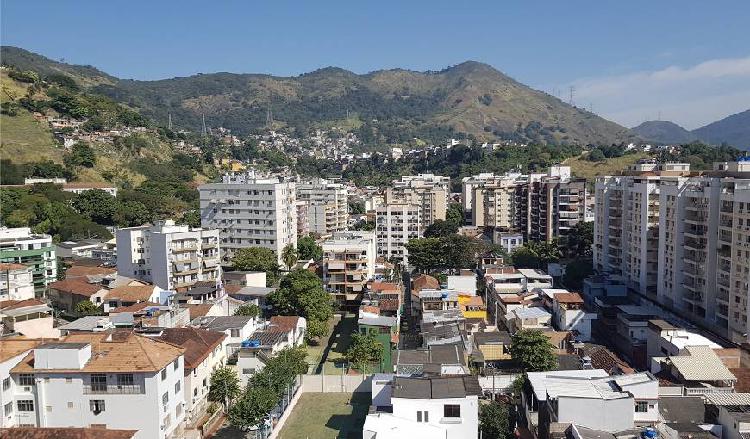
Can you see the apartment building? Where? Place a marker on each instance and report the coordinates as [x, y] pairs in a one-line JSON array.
[[395, 225], [327, 205], [172, 257], [348, 264], [20, 246], [16, 282], [681, 239], [429, 192], [250, 211], [117, 380], [542, 207]]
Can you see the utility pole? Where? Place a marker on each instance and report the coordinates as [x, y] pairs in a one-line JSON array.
[[169, 125]]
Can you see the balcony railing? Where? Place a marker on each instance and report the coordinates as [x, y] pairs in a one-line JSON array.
[[131, 389]]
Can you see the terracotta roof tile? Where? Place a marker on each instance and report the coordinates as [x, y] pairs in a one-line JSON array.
[[134, 293], [84, 270], [198, 343], [117, 351], [65, 433], [283, 323], [424, 281], [388, 304], [13, 267], [77, 286], [15, 304], [371, 309], [140, 306], [11, 347], [199, 310], [384, 286], [568, 298]]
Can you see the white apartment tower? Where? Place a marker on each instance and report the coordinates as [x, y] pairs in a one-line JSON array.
[[429, 192], [327, 205], [348, 263], [172, 257], [20, 246], [250, 211], [395, 225], [694, 233]]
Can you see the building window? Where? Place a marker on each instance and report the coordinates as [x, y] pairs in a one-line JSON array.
[[26, 379], [423, 416], [125, 379], [177, 387], [641, 406], [452, 411], [176, 363], [96, 406], [25, 405], [165, 398], [235, 333], [178, 411], [98, 382], [164, 374], [6, 383], [8, 408]]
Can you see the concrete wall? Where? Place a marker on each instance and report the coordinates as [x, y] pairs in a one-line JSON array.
[[336, 383]]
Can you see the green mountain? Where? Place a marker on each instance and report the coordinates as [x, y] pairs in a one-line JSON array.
[[663, 131], [734, 130], [388, 106]]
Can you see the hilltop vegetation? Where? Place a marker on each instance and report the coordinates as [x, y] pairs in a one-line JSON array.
[[390, 106]]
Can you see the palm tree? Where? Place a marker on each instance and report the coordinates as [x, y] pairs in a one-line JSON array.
[[289, 256]]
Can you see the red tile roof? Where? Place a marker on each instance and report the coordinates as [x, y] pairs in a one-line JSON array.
[[12, 267], [84, 270], [15, 304], [568, 298], [424, 281], [77, 286], [140, 306], [283, 323], [199, 310], [371, 309], [198, 343]]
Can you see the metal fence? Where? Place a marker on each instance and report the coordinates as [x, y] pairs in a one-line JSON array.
[[265, 429]]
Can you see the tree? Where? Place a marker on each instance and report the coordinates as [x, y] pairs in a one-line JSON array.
[[289, 256], [547, 251], [366, 226], [86, 307], [581, 239], [190, 218], [224, 387], [576, 271], [532, 350], [459, 251], [596, 155], [97, 205], [132, 214], [301, 294], [363, 351], [309, 249], [317, 329], [252, 407], [426, 254], [524, 257], [248, 310], [356, 208], [81, 154], [257, 259], [455, 214], [440, 228], [493, 421]]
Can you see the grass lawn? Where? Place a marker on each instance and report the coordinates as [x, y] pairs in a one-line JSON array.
[[327, 415], [315, 352], [339, 343], [589, 170]]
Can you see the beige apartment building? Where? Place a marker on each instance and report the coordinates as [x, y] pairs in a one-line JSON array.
[[348, 264], [681, 239], [327, 205], [429, 192]]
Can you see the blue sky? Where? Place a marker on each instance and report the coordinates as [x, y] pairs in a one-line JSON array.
[[632, 60]]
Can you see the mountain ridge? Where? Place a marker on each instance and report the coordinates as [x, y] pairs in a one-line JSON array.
[[393, 106], [733, 130]]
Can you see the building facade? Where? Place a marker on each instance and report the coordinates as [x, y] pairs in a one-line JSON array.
[[173, 257], [20, 246], [16, 282], [395, 225], [348, 263], [250, 211], [429, 192], [327, 205]]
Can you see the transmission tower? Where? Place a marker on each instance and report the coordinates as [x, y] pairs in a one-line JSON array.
[[572, 93]]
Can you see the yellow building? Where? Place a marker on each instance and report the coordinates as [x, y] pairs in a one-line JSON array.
[[472, 307]]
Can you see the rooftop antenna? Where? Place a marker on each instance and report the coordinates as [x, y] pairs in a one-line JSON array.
[[203, 116], [572, 90]]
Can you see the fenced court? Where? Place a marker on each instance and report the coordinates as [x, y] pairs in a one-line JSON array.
[[326, 416]]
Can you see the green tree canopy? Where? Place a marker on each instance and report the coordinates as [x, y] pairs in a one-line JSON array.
[[580, 239], [440, 229], [224, 387], [532, 350], [257, 259], [309, 249], [248, 310], [86, 307], [576, 271], [97, 205], [363, 351], [81, 154], [301, 293], [289, 256], [494, 421], [455, 214]]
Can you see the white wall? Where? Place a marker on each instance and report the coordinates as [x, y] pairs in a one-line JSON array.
[[463, 284], [609, 415], [465, 427]]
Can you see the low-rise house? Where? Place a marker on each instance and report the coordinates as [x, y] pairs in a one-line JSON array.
[[472, 307], [732, 412], [236, 328], [130, 295], [446, 407], [697, 368], [423, 281], [77, 249], [528, 318], [591, 399], [31, 318], [204, 353], [253, 294], [282, 332], [569, 314], [245, 278], [67, 293], [665, 339], [67, 433], [490, 348], [16, 282], [294, 325], [465, 283], [429, 299], [12, 351], [435, 360], [118, 379]]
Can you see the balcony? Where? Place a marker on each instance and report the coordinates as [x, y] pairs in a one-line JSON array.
[[133, 389]]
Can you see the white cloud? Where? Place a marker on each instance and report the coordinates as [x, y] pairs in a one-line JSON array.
[[691, 97]]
